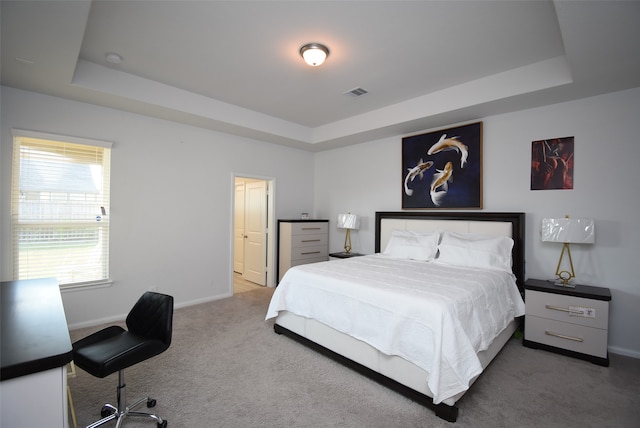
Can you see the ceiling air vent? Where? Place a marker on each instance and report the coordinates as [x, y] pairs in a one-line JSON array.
[[356, 92]]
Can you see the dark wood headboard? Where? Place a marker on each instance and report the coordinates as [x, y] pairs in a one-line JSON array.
[[517, 229]]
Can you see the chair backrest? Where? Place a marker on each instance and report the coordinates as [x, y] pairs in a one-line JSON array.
[[152, 317]]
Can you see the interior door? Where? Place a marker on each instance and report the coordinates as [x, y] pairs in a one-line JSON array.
[[238, 232], [255, 230]]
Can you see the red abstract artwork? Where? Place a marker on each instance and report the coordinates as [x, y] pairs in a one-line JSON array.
[[552, 164]]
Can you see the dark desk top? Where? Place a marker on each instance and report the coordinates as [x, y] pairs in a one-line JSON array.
[[34, 332]]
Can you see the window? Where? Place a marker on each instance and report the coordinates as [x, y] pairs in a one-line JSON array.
[[59, 208]]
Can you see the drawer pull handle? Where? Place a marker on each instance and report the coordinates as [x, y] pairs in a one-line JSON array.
[[310, 228], [310, 252], [310, 240], [562, 336], [568, 310]]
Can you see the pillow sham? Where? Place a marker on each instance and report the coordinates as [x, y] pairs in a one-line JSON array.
[[411, 245], [476, 250]]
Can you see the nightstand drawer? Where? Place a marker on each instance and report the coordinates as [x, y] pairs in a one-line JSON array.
[[578, 338], [568, 309]]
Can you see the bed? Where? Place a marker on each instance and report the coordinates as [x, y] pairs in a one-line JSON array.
[[436, 346]]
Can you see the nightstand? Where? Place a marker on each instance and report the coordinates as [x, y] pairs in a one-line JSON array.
[[569, 321], [343, 255]]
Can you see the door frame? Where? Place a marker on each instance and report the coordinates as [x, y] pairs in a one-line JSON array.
[[271, 226]]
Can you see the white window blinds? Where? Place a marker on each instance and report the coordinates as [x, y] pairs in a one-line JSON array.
[[60, 208]]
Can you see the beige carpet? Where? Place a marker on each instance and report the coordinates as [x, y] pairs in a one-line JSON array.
[[227, 368]]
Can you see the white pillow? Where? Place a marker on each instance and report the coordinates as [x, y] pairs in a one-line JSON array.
[[475, 250], [407, 244]]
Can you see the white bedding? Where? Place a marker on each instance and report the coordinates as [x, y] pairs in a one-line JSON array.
[[447, 315]]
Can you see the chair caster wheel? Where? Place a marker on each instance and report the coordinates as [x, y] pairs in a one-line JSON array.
[[151, 402], [106, 411], [163, 424]]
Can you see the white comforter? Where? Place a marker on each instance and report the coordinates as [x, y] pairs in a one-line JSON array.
[[435, 316]]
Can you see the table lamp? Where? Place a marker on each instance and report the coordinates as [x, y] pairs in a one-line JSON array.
[[350, 222], [567, 231]]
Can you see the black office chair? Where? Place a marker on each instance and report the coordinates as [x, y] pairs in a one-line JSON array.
[[114, 349]]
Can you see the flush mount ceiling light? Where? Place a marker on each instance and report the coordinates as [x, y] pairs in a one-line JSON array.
[[314, 54]]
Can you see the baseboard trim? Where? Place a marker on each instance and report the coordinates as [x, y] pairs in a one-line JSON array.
[[624, 351]]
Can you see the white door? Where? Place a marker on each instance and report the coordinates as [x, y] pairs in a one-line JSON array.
[[255, 231], [238, 231]]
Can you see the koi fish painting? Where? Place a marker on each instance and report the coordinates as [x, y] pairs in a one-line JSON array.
[[452, 143], [443, 169], [416, 171]]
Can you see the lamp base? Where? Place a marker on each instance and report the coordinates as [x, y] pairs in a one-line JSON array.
[[562, 283], [347, 242], [564, 278]]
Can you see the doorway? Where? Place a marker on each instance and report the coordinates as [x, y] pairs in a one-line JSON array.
[[253, 242]]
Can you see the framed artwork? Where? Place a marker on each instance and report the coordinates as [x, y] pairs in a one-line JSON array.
[[552, 164], [443, 169]]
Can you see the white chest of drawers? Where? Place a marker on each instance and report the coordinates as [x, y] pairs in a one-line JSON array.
[[301, 242], [571, 321]]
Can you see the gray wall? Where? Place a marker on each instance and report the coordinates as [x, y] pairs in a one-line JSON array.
[[366, 178], [172, 189], [171, 199]]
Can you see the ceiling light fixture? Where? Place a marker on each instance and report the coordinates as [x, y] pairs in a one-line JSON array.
[[314, 54]]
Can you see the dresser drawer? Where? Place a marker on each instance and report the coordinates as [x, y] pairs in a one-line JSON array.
[[308, 261], [311, 228], [578, 338], [313, 252], [568, 309], [309, 240]]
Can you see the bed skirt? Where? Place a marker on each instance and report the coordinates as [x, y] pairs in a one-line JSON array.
[[392, 371]]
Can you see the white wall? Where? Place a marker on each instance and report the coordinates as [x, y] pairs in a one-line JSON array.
[[172, 193], [366, 178]]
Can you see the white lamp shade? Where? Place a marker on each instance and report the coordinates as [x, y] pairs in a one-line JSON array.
[[348, 221], [569, 230]]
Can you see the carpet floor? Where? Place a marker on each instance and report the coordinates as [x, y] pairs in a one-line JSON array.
[[227, 368]]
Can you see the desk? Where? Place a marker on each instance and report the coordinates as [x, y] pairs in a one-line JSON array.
[[34, 351]]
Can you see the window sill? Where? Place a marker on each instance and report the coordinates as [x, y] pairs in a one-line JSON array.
[[85, 285]]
